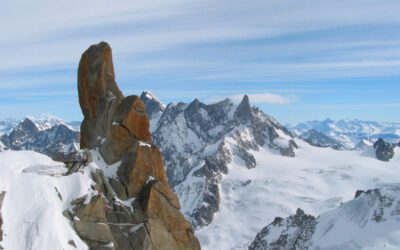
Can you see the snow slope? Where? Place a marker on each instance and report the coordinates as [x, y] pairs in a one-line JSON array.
[[316, 180], [36, 196], [369, 221]]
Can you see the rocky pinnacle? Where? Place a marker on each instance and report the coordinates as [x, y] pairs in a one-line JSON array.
[[118, 127]]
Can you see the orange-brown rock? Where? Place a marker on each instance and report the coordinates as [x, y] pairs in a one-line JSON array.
[[95, 78], [98, 92], [167, 192], [132, 116], [92, 212], [142, 164], [157, 207], [118, 127]]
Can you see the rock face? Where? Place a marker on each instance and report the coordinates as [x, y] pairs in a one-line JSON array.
[[372, 217], [295, 232], [383, 150], [118, 128]]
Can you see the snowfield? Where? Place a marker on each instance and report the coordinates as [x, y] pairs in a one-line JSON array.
[[36, 196], [316, 180]]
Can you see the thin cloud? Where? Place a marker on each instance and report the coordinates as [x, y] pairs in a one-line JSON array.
[[258, 98], [264, 98]]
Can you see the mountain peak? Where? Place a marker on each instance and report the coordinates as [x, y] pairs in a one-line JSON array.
[[245, 101], [243, 111], [154, 107], [194, 106], [148, 96]]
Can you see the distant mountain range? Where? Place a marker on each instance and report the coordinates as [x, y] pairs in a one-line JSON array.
[[349, 133], [41, 121], [42, 133]]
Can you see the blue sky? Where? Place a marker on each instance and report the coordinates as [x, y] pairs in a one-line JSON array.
[[298, 60]]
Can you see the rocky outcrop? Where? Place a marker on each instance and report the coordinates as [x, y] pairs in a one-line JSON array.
[[118, 128], [383, 150], [295, 232], [371, 217], [243, 112]]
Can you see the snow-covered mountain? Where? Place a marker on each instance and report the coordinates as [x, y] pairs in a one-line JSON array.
[[319, 139], [154, 108], [7, 125], [351, 132], [225, 163], [44, 134], [44, 122], [41, 121], [364, 144], [199, 141], [370, 221]]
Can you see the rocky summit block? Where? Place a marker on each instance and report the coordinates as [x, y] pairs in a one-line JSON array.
[[118, 128], [383, 150]]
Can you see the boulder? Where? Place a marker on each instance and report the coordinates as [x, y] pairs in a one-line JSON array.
[[287, 151], [98, 232]]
